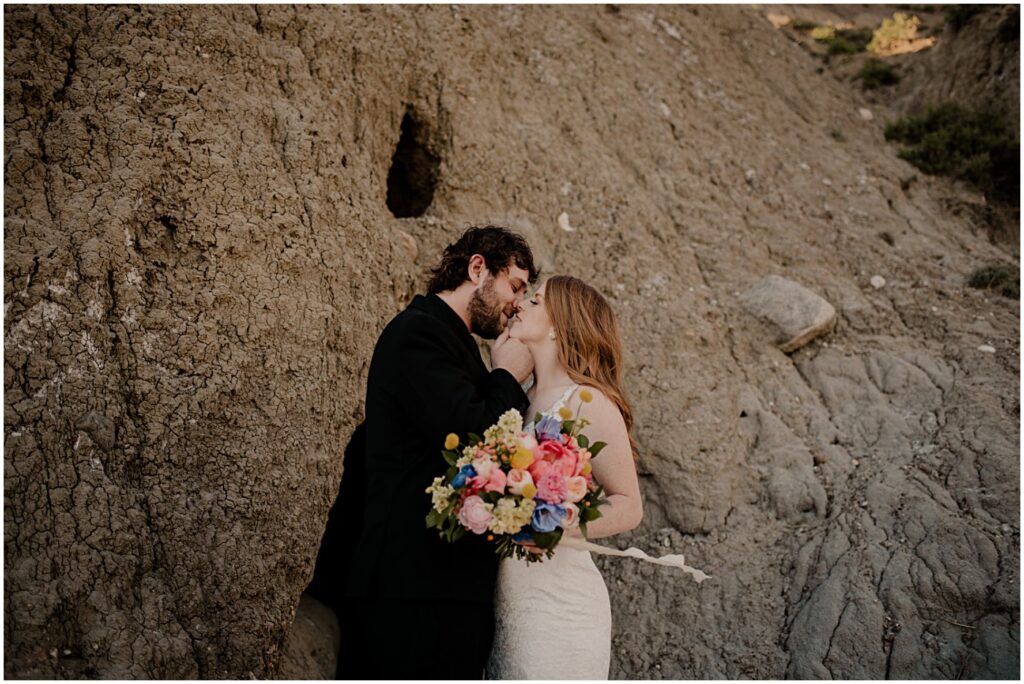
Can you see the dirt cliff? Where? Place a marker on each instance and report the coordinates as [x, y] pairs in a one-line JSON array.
[[211, 212]]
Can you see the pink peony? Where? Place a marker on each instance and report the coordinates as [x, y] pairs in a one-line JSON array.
[[475, 514], [549, 451], [517, 479], [566, 464], [538, 468], [551, 487], [576, 488]]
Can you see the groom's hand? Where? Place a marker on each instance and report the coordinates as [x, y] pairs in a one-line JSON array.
[[513, 356]]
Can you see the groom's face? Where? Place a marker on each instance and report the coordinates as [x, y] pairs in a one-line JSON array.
[[496, 301]]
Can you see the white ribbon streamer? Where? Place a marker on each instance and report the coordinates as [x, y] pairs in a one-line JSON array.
[[673, 560]]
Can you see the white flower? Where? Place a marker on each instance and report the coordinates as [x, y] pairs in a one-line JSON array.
[[440, 494], [510, 516], [509, 424]]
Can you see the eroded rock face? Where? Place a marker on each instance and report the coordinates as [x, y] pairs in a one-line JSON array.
[[202, 246]]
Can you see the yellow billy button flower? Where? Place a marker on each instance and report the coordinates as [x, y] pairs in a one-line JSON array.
[[585, 396], [451, 441], [522, 458], [529, 491], [586, 468], [565, 413]]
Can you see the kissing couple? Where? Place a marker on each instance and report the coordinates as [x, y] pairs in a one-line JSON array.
[[414, 606]]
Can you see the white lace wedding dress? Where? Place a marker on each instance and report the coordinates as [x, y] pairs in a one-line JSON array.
[[553, 619]]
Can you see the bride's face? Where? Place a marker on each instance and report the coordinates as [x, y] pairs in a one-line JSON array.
[[532, 323]]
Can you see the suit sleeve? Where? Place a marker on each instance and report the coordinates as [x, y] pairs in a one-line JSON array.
[[439, 393]]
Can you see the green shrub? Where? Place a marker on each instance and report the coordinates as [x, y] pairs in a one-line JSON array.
[[976, 146], [876, 73], [900, 29], [958, 16], [843, 41], [1004, 278], [802, 25]]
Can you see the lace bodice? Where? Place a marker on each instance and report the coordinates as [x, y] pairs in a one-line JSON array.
[[528, 427]]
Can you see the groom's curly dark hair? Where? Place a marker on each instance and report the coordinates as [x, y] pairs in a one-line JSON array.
[[499, 247]]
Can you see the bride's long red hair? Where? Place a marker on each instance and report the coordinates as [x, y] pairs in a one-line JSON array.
[[589, 346]]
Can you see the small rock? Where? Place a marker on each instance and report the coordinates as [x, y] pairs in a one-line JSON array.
[[987, 348], [563, 223], [795, 314], [750, 175], [407, 243], [865, 114], [665, 110], [856, 462], [877, 282]]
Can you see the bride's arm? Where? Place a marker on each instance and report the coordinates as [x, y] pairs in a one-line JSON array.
[[613, 468]]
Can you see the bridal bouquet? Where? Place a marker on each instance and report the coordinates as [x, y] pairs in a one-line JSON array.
[[515, 485]]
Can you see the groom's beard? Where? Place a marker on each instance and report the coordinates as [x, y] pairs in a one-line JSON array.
[[485, 312]]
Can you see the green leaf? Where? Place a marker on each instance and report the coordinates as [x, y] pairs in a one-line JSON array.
[[546, 540], [450, 457], [458, 532], [567, 427], [450, 475], [474, 438], [490, 497], [434, 518], [537, 418], [588, 513], [596, 448], [583, 441]]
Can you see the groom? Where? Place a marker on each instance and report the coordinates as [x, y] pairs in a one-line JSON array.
[[423, 607]]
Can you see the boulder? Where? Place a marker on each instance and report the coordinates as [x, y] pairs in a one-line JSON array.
[[796, 314], [311, 647]]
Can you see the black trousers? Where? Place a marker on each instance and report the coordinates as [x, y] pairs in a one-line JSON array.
[[421, 639]]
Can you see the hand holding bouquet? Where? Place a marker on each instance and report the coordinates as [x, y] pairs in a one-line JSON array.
[[518, 486]]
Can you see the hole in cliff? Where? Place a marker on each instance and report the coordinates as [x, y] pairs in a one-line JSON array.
[[414, 171]]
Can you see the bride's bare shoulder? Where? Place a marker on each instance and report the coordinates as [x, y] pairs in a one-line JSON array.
[[600, 408]]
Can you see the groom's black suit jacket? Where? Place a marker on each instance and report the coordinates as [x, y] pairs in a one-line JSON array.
[[426, 380]]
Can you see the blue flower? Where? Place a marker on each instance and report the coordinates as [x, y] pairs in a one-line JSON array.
[[549, 427], [465, 472], [547, 516], [522, 535]]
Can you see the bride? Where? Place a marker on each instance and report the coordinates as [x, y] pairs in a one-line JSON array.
[[553, 618]]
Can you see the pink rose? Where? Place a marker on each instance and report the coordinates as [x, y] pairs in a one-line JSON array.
[[575, 488], [496, 481], [483, 466], [475, 514], [551, 487], [572, 516], [517, 479]]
